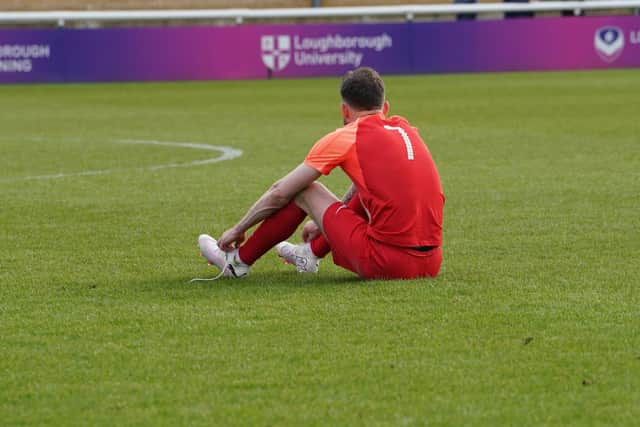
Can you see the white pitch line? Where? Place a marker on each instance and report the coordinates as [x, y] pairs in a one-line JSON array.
[[227, 153]]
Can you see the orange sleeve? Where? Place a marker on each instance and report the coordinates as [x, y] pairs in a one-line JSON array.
[[332, 149]]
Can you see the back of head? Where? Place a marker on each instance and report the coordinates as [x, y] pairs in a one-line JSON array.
[[363, 89]]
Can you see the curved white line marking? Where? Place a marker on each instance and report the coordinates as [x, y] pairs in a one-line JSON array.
[[227, 153]]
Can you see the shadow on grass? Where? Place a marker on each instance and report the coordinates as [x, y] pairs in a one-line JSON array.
[[169, 284], [259, 281]]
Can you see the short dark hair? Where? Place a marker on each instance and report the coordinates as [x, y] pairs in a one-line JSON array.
[[363, 89]]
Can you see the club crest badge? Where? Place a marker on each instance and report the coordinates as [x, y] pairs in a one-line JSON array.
[[276, 51], [609, 43]]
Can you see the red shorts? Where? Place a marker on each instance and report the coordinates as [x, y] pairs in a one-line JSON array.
[[353, 249]]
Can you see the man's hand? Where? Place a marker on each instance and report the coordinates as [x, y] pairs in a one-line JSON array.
[[231, 239], [310, 231]]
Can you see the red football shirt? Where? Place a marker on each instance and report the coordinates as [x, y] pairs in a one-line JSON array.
[[395, 176]]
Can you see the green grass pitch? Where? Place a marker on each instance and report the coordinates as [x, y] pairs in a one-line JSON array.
[[535, 319]]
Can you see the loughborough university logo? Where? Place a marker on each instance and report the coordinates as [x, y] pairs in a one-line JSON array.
[[276, 51], [609, 42]]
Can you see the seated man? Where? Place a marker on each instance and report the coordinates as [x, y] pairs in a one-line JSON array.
[[388, 225]]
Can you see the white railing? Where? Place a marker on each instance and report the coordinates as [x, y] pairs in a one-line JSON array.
[[241, 15]]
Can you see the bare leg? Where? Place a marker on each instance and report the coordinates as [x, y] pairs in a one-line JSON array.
[[315, 200], [281, 225]]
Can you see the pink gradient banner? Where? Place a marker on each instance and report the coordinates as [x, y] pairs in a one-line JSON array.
[[283, 51]]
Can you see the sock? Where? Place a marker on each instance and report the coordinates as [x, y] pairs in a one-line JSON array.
[[271, 231], [319, 246]]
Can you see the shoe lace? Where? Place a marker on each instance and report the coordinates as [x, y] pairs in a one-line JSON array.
[[208, 279]]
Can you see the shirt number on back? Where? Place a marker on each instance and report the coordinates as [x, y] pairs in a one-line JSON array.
[[405, 138]]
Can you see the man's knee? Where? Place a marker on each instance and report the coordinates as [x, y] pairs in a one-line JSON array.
[[308, 194], [315, 199]]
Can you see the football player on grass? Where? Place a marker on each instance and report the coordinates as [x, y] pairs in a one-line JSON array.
[[388, 225]]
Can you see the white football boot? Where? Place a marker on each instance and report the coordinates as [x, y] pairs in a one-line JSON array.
[[299, 255], [229, 263]]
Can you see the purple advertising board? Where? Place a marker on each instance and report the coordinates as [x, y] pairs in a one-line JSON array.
[[261, 51]]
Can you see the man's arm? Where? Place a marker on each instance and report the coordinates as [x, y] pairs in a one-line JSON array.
[[349, 194], [274, 199]]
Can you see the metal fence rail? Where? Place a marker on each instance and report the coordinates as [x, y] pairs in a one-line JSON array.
[[241, 15]]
